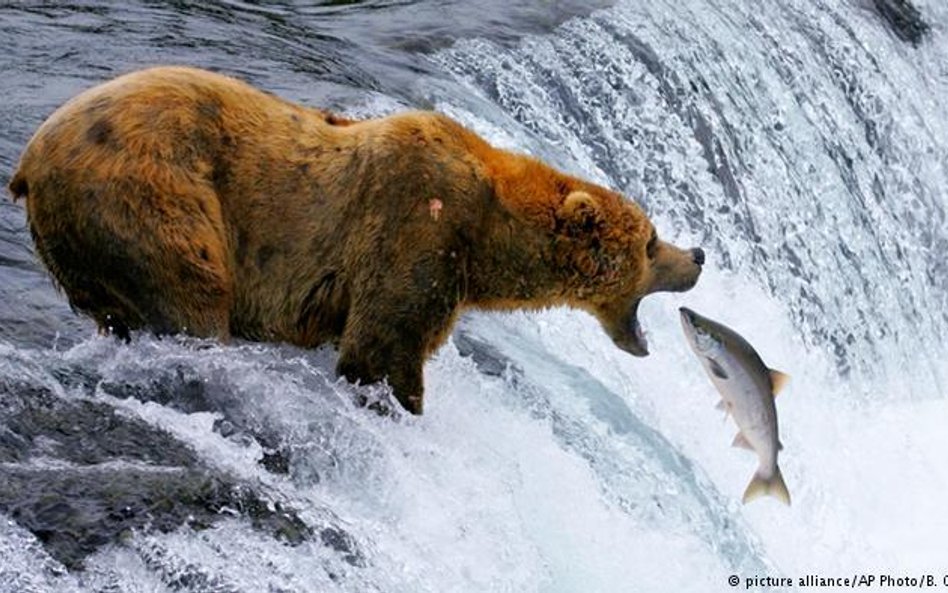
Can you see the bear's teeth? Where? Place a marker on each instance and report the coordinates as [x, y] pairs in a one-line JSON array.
[[640, 336]]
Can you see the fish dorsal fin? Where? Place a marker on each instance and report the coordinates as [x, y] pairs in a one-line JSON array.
[[778, 380]]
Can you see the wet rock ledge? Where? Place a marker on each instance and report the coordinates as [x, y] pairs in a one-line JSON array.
[[79, 475]]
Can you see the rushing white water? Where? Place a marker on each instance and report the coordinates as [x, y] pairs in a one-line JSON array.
[[805, 148], [795, 138]]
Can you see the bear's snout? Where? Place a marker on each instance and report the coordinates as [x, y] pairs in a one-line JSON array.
[[697, 256], [675, 269]]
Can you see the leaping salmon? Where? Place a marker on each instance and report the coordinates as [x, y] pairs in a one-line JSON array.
[[748, 388]]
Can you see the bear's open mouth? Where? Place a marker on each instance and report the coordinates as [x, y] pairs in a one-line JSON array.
[[629, 335]]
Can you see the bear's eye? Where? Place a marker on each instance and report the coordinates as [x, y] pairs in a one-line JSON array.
[[651, 246]]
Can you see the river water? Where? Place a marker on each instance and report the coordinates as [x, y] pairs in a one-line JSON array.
[[801, 142]]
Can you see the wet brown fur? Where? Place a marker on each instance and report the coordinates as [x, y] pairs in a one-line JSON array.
[[174, 199]]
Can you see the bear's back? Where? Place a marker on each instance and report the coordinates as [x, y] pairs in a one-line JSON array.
[[166, 113]]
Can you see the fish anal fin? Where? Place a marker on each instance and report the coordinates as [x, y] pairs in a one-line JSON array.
[[777, 381], [741, 441], [774, 486]]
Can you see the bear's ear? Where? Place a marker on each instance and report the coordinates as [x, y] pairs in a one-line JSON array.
[[579, 214]]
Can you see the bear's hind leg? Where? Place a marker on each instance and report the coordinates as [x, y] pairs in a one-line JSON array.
[[136, 255]]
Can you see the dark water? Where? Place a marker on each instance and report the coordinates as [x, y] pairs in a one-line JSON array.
[[803, 143]]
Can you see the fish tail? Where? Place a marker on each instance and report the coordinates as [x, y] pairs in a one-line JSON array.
[[773, 486]]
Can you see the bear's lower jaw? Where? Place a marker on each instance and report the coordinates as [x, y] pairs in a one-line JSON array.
[[636, 344], [629, 335]]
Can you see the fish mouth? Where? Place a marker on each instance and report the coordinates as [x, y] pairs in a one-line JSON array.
[[629, 335], [687, 317], [689, 324]]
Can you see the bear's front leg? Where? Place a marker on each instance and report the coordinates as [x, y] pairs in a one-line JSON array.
[[404, 304], [393, 342], [402, 368]]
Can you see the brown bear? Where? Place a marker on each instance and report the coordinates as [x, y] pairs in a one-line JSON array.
[[178, 200]]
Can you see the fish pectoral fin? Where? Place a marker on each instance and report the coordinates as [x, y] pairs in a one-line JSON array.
[[741, 441], [716, 369], [777, 381], [774, 486]]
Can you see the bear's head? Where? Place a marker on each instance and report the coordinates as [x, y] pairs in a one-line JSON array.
[[611, 257]]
